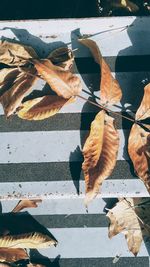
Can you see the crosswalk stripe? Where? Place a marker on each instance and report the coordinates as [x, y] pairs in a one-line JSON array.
[[59, 207], [19, 147], [87, 231], [103, 30], [69, 221], [88, 240], [43, 159], [69, 189], [59, 122]]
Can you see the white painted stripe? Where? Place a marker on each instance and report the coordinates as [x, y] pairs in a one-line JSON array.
[[60, 206], [89, 243], [128, 41], [49, 146], [127, 80], [66, 189], [1, 110]]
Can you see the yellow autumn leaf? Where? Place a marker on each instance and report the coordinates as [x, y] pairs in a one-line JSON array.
[[129, 5], [29, 240], [42, 107]]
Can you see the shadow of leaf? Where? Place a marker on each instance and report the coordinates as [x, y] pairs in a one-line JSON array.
[[110, 203], [23, 36], [75, 167], [37, 258]]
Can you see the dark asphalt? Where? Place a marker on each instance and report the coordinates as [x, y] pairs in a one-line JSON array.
[[47, 9]]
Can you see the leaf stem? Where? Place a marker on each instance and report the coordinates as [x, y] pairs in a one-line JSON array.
[[107, 109], [113, 112]]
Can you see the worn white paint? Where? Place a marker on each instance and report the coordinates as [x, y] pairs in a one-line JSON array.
[[59, 206], [66, 189]]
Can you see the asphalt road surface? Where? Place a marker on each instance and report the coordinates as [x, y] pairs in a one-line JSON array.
[[47, 9], [43, 158]]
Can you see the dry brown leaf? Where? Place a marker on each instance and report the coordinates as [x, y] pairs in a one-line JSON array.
[[26, 203], [131, 217], [42, 107], [62, 57], [94, 176], [139, 141], [110, 92], [129, 5], [139, 151], [9, 53], [22, 85], [12, 254], [143, 111], [35, 265], [93, 145], [63, 82], [4, 265], [30, 240]]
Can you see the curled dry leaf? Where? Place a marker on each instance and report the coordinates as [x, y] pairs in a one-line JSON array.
[[12, 53], [110, 92], [62, 57], [139, 151], [13, 254], [63, 82], [108, 143], [29, 240], [131, 217], [42, 107], [7, 78], [143, 111], [26, 203], [21, 86]]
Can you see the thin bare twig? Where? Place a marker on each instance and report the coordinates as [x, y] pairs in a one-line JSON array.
[[107, 109]]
